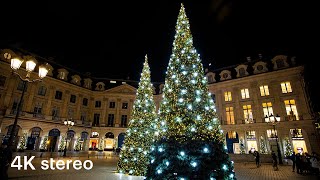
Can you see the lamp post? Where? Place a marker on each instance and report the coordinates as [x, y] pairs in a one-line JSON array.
[[69, 123], [30, 66], [274, 121]]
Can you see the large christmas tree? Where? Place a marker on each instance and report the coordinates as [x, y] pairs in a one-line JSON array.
[[190, 144], [135, 153]]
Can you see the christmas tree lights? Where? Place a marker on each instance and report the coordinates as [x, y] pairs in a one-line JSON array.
[[190, 143], [135, 153]]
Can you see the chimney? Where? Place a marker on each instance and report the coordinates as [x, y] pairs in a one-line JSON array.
[[249, 59]]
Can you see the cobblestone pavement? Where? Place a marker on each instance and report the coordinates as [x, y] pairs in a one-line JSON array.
[[104, 169]]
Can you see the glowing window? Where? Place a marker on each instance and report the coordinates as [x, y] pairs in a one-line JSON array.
[[286, 87], [245, 93], [227, 96], [291, 109], [230, 115], [264, 90]]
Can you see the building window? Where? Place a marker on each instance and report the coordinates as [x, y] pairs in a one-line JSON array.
[[245, 93], [37, 110], [96, 119], [83, 117], [73, 98], [280, 63], [112, 105], [94, 134], [296, 134], [251, 135], [55, 113], [286, 87], [271, 133], [247, 112], [227, 96], [2, 80], [124, 105], [264, 90], [242, 72], [124, 120], [110, 120], [20, 86], [70, 113], [267, 110], [15, 103], [291, 109], [85, 102], [42, 91], [230, 115], [98, 104], [58, 95], [232, 135]]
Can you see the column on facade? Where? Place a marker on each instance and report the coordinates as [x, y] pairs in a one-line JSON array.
[[256, 106], [236, 103], [64, 112], [29, 97], [49, 98], [103, 118], [219, 99], [90, 111], [118, 110], [130, 107], [78, 109]]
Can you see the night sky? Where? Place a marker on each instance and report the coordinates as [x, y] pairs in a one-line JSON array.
[[110, 38]]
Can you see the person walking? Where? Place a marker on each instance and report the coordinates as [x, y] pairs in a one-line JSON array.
[[293, 158], [257, 157], [275, 161], [298, 163], [5, 160]]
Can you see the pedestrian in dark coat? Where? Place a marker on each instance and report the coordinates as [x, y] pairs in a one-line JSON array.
[[275, 161], [5, 160], [293, 158]]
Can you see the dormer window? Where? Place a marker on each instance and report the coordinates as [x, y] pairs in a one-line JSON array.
[[100, 86], [211, 77], [242, 70], [62, 74], [259, 67], [225, 75], [280, 62], [87, 83], [76, 79]]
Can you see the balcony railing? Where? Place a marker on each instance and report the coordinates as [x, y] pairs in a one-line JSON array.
[[123, 125], [37, 115], [248, 121], [292, 118]]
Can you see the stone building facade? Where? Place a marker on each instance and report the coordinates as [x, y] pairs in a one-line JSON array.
[[244, 94]]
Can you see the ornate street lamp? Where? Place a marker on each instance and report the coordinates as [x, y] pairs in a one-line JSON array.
[[274, 121], [30, 66], [69, 123]]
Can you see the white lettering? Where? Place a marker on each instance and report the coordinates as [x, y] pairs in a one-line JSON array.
[[85, 164], [60, 164], [28, 163], [68, 163], [51, 163], [44, 165], [19, 166], [77, 163]]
